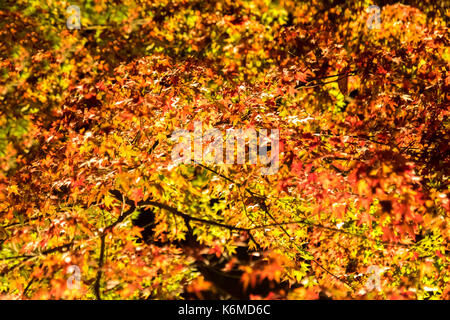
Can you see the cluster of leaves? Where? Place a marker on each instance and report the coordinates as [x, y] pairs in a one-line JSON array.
[[86, 117]]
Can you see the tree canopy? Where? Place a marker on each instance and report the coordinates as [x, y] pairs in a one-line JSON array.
[[88, 182]]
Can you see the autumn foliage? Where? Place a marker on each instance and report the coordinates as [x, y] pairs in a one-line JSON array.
[[87, 178]]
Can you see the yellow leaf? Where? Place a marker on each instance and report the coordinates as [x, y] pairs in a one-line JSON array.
[[362, 187], [13, 189], [108, 200], [386, 169]]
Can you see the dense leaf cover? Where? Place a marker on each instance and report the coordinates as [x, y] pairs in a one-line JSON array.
[[87, 178]]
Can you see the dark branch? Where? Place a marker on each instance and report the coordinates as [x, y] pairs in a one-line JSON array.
[[101, 260]]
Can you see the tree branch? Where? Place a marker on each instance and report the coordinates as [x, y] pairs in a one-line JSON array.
[[101, 260]]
